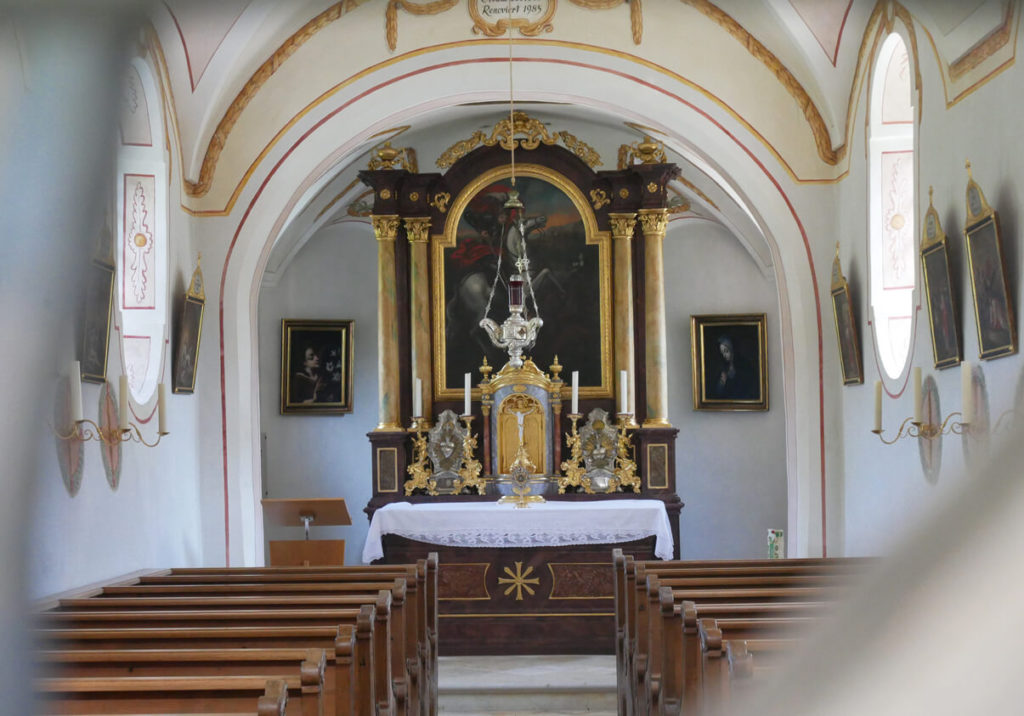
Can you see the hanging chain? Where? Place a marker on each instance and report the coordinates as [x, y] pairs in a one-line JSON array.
[[511, 97]]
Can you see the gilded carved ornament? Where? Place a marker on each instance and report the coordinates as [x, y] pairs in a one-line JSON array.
[[388, 157], [440, 201], [418, 229], [646, 151], [524, 132], [599, 198], [385, 227], [622, 225], [653, 221]]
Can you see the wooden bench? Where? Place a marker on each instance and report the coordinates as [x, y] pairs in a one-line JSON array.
[[168, 695]]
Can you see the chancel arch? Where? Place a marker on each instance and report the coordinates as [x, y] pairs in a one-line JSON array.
[[685, 119]]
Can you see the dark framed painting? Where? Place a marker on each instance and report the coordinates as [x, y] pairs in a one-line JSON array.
[[316, 366], [730, 362], [99, 296], [993, 311], [570, 278], [846, 326], [188, 332], [942, 311]]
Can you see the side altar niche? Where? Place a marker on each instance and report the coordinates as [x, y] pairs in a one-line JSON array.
[[465, 273]]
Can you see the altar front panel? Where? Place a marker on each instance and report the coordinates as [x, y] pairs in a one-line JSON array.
[[522, 600]]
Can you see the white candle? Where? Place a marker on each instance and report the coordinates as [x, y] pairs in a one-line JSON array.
[[123, 401], [623, 391], [575, 392], [161, 408], [918, 402], [468, 393], [878, 406], [967, 388], [76, 392], [417, 399]]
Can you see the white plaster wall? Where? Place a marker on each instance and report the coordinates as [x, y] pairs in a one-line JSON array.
[[334, 276], [886, 490], [730, 466]]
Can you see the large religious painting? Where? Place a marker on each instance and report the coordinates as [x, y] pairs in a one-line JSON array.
[[569, 282]]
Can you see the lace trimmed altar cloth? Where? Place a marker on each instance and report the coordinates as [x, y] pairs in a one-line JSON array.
[[548, 524]]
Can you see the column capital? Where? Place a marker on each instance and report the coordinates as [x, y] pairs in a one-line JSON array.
[[417, 229], [385, 227], [653, 222], [622, 225]]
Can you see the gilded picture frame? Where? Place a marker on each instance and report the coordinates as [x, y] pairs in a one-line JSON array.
[[570, 262], [729, 362], [316, 366], [96, 310], [188, 332], [993, 309], [846, 327], [942, 310]]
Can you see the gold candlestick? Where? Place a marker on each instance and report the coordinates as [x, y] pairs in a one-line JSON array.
[[573, 467], [469, 473]]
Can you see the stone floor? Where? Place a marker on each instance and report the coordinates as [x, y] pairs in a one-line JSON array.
[[526, 685]]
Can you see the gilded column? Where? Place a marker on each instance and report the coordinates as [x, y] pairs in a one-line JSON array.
[[622, 288], [418, 231], [385, 228], [653, 222]]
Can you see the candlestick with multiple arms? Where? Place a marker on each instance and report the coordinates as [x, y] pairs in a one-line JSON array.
[[84, 429], [915, 426]]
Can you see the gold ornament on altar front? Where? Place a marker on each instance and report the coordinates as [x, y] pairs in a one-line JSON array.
[[387, 157], [646, 151]]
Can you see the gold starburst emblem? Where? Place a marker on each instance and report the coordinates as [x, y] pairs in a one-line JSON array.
[[519, 580]]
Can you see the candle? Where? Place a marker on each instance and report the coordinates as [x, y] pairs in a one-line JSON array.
[[466, 408], [161, 408], [918, 402], [575, 392], [417, 400], [123, 402], [76, 392], [878, 406], [623, 391], [967, 388]]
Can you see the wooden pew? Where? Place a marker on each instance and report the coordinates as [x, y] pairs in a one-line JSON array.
[[168, 695], [359, 670], [310, 664]]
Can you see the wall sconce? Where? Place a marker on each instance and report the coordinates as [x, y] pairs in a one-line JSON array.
[[85, 429], [915, 426]]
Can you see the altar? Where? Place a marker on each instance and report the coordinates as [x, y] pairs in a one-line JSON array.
[[516, 581]]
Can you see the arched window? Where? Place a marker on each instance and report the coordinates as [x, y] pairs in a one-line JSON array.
[[893, 185], [141, 191]]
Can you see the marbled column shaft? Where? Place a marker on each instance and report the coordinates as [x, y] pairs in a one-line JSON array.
[[653, 222], [385, 228], [622, 288], [418, 231]]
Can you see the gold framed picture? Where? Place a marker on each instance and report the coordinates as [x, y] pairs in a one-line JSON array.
[[993, 311], [99, 297], [316, 366], [189, 331], [846, 326], [730, 362], [942, 312]]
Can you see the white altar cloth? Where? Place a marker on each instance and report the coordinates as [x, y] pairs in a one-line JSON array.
[[488, 524]]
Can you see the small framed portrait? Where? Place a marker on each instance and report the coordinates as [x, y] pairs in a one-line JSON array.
[[189, 331], [846, 326], [316, 366], [993, 311], [730, 366], [99, 294], [942, 312]]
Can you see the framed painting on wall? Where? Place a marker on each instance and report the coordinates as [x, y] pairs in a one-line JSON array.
[[99, 295], [993, 310], [316, 367], [729, 361], [570, 271], [846, 326], [942, 313], [189, 331]]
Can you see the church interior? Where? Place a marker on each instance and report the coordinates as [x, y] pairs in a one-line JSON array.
[[706, 281]]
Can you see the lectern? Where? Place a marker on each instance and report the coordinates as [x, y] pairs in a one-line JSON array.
[[307, 552]]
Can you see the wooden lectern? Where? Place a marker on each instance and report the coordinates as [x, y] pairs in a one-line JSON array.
[[307, 552]]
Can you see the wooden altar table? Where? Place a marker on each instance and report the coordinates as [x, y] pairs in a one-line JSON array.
[[535, 580]]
